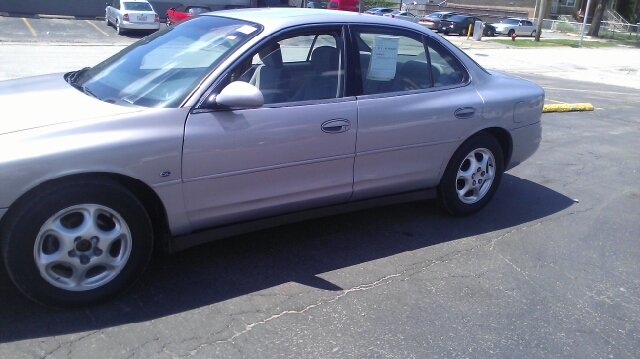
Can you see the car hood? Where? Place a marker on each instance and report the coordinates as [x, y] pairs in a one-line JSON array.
[[48, 100]]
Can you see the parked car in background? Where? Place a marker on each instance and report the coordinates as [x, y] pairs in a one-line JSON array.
[[403, 15], [378, 11], [488, 30], [233, 121], [344, 5], [432, 20], [515, 25], [131, 15], [182, 12], [458, 24], [317, 4]]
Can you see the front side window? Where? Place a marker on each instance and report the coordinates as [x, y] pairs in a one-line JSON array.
[[162, 69], [304, 67]]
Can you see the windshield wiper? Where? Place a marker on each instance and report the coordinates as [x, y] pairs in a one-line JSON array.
[[74, 75]]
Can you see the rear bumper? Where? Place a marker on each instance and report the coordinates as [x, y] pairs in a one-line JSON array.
[[526, 141], [140, 25], [431, 26]]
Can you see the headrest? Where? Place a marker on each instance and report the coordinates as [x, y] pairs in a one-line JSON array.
[[325, 58], [271, 56]]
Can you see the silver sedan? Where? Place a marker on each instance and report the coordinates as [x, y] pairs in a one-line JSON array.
[[131, 15], [238, 120], [403, 15]]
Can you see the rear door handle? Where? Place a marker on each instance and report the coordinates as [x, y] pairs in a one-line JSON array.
[[336, 126], [466, 112]]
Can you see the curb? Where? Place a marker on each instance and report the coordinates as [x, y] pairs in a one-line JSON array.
[[568, 107], [47, 16], [2, 13]]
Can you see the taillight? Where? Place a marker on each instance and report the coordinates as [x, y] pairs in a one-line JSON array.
[[393, 16], [125, 17], [157, 19]]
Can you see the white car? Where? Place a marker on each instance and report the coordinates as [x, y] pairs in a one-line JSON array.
[[403, 15], [518, 26], [131, 15]]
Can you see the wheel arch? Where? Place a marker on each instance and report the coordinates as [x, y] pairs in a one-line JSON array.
[[144, 193], [504, 139]]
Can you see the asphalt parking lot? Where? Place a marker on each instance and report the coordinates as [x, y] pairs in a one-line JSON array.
[[17, 29], [548, 270]]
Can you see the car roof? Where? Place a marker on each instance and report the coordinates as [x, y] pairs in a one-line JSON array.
[[278, 18]]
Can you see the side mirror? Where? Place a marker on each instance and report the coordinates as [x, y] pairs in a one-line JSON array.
[[239, 94], [172, 9]]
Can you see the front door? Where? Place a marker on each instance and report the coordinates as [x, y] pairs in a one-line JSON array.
[[295, 152]]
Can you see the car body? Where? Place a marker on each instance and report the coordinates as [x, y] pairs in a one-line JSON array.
[[432, 20], [238, 120], [182, 12], [131, 15], [379, 11], [488, 30], [515, 25], [458, 24], [344, 5], [403, 15]]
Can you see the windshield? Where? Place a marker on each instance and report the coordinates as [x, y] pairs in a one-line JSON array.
[[162, 69], [435, 15], [198, 10], [510, 22], [137, 6]]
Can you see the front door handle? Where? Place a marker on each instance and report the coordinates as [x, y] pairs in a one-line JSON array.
[[466, 112], [336, 126]]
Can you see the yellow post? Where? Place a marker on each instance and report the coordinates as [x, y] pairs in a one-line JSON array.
[[469, 31]]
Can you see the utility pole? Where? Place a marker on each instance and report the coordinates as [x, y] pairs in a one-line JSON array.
[[543, 4]]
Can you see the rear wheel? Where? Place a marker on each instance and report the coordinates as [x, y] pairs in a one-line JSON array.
[[472, 175], [77, 243], [119, 30]]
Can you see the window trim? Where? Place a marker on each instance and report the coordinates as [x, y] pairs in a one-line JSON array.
[[353, 46]]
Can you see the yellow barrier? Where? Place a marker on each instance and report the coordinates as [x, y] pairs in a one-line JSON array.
[[568, 107], [469, 31]]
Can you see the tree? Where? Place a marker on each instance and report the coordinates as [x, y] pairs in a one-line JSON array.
[[597, 18]]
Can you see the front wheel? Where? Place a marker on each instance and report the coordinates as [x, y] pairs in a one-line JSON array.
[[463, 32], [533, 33], [511, 32], [77, 243], [106, 20], [472, 175]]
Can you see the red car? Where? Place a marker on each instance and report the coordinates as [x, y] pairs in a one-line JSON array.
[[182, 12]]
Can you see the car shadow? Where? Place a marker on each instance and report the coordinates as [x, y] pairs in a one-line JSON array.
[[238, 266]]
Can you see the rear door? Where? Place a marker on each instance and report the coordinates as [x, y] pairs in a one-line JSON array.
[[415, 103]]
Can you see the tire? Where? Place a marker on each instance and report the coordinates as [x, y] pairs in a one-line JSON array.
[[463, 32], [511, 32], [533, 33], [446, 33], [491, 33], [472, 175], [76, 243], [119, 30], [106, 19]]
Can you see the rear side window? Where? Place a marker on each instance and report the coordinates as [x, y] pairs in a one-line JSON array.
[[393, 60]]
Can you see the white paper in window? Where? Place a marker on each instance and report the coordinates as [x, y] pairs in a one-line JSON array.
[[384, 57]]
